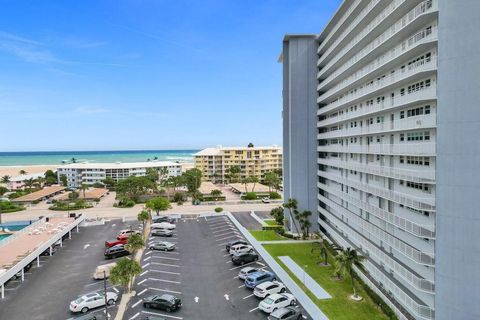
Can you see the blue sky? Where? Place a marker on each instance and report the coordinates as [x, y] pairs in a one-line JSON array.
[[145, 74]]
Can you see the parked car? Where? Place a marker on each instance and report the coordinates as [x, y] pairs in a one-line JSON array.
[[257, 278], [116, 251], [162, 233], [267, 288], [111, 243], [234, 242], [163, 219], [276, 301], [47, 252], [287, 313], [91, 316], [266, 200], [241, 248], [91, 301], [245, 272], [127, 232], [164, 246], [242, 258], [103, 271], [25, 269], [163, 225], [165, 302]]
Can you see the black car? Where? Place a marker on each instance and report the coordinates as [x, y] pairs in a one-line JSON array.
[[243, 258], [234, 242], [164, 219], [165, 302], [116, 251]]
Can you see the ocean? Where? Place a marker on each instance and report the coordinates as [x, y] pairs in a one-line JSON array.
[[58, 157]]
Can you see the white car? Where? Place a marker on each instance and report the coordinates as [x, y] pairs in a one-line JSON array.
[[266, 200], [91, 301], [265, 289], [243, 274], [241, 248], [276, 301], [163, 225]]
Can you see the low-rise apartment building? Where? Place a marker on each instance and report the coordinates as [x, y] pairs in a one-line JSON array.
[[91, 173], [253, 161]]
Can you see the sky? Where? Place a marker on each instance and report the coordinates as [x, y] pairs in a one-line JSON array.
[[146, 74]]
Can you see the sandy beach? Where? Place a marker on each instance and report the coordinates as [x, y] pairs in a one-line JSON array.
[[13, 171]]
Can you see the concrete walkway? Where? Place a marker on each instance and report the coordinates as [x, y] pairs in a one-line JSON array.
[[303, 276], [309, 306]]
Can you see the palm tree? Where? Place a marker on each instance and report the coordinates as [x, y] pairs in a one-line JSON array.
[[245, 181], [84, 188], [29, 183], [324, 248], [233, 173], [5, 179], [143, 217], [22, 172], [346, 261], [216, 193], [305, 222], [124, 272], [135, 243], [291, 205], [253, 180]]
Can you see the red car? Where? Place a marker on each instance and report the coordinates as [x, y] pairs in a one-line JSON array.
[[111, 243]]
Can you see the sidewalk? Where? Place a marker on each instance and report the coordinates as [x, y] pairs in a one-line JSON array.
[[309, 306]]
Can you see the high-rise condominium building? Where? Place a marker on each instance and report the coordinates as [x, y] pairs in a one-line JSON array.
[[253, 161], [91, 173], [381, 138]]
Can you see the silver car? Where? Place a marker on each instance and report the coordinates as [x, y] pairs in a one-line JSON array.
[[162, 233], [164, 246]]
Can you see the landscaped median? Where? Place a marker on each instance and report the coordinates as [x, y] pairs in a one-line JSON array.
[[340, 306], [266, 235]]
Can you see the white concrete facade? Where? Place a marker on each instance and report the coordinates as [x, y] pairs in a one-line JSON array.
[[91, 173], [376, 132]]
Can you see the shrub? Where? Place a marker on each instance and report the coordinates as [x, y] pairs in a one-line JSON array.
[[275, 195], [250, 196], [178, 197], [7, 207], [126, 203], [218, 209]]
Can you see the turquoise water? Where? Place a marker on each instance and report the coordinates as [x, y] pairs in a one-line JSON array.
[[13, 226], [3, 236], [56, 157]]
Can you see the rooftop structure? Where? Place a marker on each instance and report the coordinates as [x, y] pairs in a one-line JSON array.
[[45, 193], [17, 182], [240, 188]]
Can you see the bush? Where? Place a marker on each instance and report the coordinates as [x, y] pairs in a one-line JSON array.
[[178, 197], [250, 196], [126, 203], [275, 195], [98, 185], [7, 207], [218, 209], [66, 206]]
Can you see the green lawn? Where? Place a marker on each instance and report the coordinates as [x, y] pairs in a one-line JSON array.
[[270, 222], [266, 235], [340, 306]]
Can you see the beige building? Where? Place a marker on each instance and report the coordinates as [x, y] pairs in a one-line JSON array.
[[253, 161]]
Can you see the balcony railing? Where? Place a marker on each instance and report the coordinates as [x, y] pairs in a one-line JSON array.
[[380, 84], [404, 46], [419, 203], [364, 227], [425, 94], [419, 230], [420, 149], [422, 176], [411, 123]]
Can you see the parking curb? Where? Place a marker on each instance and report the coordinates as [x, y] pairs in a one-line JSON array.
[[309, 306]]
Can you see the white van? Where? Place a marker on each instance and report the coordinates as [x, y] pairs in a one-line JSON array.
[[241, 248], [99, 271]]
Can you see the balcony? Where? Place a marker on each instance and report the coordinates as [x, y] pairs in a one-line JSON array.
[[412, 123], [418, 149], [418, 203], [383, 84], [421, 176], [414, 98], [413, 227]]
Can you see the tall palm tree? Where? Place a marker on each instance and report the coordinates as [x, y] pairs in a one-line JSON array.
[[324, 248], [346, 261], [143, 217], [5, 179], [124, 272], [291, 205], [84, 188], [135, 243], [29, 183], [253, 180]]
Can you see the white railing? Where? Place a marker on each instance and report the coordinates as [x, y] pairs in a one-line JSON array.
[[409, 123], [418, 38], [18, 233], [424, 94], [380, 84], [425, 176], [419, 230], [419, 203], [364, 228], [420, 149]]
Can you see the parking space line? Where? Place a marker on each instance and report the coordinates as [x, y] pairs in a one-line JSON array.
[[135, 316], [163, 280], [253, 309], [228, 225], [162, 315], [262, 264], [226, 255], [147, 253], [250, 295], [145, 265], [229, 237], [142, 281], [146, 259], [142, 292], [166, 264], [167, 252], [136, 303], [165, 290], [220, 223], [168, 272], [246, 264], [143, 273], [167, 258], [115, 289], [225, 233], [222, 230], [241, 286], [229, 261]]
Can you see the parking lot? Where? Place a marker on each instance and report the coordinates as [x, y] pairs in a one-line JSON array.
[[200, 272], [47, 290]]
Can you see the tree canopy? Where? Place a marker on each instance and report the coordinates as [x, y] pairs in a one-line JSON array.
[[123, 273], [192, 179], [133, 187], [158, 204]]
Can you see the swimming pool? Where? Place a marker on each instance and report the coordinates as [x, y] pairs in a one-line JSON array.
[[15, 225]]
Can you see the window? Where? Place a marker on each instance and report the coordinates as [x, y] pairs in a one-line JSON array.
[[402, 137], [402, 159], [417, 136], [402, 114]]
